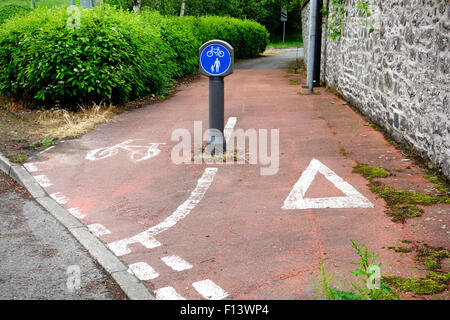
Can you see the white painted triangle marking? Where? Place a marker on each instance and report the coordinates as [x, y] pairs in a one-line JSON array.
[[296, 199]]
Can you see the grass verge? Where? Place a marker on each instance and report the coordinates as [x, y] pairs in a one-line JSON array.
[[287, 44]]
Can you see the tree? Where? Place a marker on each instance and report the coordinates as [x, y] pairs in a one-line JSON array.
[[266, 12], [136, 5], [183, 5], [33, 4]]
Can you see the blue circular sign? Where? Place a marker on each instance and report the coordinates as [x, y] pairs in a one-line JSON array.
[[215, 59]]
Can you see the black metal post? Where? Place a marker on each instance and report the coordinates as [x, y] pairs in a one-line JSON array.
[[216, 114], [318, 45]]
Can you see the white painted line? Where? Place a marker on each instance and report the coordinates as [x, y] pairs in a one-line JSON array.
[[30, 167], [98, 230], [49, 148], [120, 248], [59, 197], [229, 127], [296, 199], [176, 263], [168, 293], [43, 181], [76, 212], [210, 290], [146, 238], [143, 271]]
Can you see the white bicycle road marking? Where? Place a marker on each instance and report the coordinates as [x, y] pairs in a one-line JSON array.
[[210, 290], [176, 263], [146, 238], [296, 199], [143, 271], [138, 152]]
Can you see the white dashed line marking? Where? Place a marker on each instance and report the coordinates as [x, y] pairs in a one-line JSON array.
[[120, 248], [98, 230], [43, 181], [59, 197], [30, 167], [143, 271], [229, 127], [168, 293], [146, 238], [49, 148], [210, 290], [76, 212], [176, 263]]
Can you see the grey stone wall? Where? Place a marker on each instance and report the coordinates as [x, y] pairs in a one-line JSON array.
[[398, 75]]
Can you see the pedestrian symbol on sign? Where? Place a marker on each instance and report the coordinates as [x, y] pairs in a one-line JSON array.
[[216, 65]]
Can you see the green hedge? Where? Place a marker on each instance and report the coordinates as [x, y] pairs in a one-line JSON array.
[[115, 56], [179, 36], [11, 10], [185, 35], [248, 38]]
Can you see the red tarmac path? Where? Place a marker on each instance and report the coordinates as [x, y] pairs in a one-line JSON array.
[[237, 235]]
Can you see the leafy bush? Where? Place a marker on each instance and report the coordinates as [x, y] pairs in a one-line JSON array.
[[10, 11], [248, 38], [185, 35], [112, 57], [183, 57]]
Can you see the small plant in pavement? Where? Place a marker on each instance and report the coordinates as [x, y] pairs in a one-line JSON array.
[[44, 143], [368, 272]]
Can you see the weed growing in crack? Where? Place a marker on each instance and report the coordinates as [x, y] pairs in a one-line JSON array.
[[369, 274]]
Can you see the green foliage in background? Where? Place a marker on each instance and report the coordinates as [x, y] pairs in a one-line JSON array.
[[39, 3], [114, 56], [178, 35], [9, 11], [248, 38], [265, 12], [338, 14]]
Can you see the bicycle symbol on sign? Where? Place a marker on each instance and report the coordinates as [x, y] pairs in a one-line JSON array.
[[138, 153], [215, 51]]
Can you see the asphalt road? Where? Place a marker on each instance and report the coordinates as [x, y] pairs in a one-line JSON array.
[[38, 256], [279, 60]]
